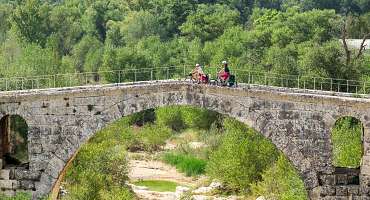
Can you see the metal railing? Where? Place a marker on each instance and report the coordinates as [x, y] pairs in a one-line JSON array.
[[166, 73]]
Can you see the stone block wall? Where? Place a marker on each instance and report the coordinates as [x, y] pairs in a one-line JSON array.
[[298, 123]]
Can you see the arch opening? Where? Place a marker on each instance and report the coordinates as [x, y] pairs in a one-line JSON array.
[[177, 120], [13, 141], [347, 150]]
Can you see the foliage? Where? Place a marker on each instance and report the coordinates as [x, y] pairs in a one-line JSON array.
[[181, 117], [187, 164], [100, 168], [47, 37], [19, 196], [209, 21], [171, 117], [347, 143], [241, 158], [158, 185], [152, 137], [281, 181]]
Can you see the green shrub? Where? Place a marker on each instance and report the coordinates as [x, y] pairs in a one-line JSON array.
[[180, 117], [188, 164], [153, 136], [347, 143], [141, 118], [198, 118], [19, 196], [281, 181], [116, 193], [100, 166], [241, 158], [171, 117]]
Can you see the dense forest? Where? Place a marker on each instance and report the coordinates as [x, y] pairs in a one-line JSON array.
[[296, 37]]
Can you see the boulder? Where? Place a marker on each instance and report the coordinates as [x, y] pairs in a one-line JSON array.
[[261, 198]]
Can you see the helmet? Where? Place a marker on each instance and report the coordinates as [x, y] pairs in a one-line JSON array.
[[224, 62], [197, 65]]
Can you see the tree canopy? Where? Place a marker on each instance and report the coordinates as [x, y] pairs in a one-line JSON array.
[[297, 37]]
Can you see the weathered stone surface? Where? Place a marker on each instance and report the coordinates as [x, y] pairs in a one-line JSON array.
[[341, 191], [297, 121], [353, 190], [9, 184], [4, 174], [27, 185]]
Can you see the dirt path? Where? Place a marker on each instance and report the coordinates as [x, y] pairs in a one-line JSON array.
[[157, 170]]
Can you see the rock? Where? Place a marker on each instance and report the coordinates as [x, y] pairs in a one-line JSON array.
[[169, 146], [135, 187], [196, 145], [261, 198], [203, 190], [181, 189], [201, 197], [215, 185]]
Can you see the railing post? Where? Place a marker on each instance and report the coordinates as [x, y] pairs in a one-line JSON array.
[[151, 74], [6, 84], [184, 71], [266, 80], [331, 84], [338, 86], [85, 78], [364, 87], [119, 76], [314, 83], [347, 86], [298, 82], [22, 84], [135, 75], [282, 82], [55, 77], [249, 77], [167, 76]]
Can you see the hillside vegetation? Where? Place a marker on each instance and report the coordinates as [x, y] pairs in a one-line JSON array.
[[297, 37]]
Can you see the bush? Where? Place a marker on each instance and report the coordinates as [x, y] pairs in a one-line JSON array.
[[100, 166], [241, 158], [19, 196], [171, 117], [141, 118], [180, 117], [347, 143], [116, 193], [152, 136], [188, 164], [281, 181], [199, 118]]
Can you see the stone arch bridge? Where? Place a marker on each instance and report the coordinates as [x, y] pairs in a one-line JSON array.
[[298, 122]]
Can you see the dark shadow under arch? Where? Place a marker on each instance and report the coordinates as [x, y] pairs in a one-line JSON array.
[[13, 141]]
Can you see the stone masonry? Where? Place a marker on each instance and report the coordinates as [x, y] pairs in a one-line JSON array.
[[299, 123]]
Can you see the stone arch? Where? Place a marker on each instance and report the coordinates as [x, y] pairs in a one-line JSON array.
[[14, 141], [273, 124]]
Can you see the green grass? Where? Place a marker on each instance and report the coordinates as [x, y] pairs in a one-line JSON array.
[[158, 185], [347, 143], [188, 164]]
